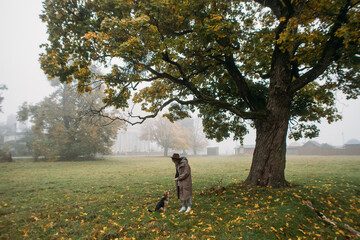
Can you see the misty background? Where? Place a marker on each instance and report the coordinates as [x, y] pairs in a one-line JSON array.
[[22, 32]]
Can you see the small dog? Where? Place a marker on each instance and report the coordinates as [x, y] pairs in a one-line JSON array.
[[163, 203]]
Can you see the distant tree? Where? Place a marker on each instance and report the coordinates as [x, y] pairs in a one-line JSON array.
[[13, 141], [166, 134], [5, 154], [2, 88], [17, 145], [196, 137], [4, 148], [64, 128]]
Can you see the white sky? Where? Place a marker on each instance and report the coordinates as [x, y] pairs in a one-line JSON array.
[[21, 34]]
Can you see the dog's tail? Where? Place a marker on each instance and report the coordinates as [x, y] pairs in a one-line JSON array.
[[149, 210]]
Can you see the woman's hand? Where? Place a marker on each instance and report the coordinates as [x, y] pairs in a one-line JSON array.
[[175, 179]]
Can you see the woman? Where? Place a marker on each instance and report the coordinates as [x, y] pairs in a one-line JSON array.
[[183, 181]]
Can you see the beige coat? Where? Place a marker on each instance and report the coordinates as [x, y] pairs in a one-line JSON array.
[[184, 180]]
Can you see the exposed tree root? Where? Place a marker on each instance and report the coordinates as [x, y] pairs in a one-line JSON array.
[[352, 231]]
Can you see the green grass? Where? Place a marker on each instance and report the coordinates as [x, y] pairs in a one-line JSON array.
[[108, 200]]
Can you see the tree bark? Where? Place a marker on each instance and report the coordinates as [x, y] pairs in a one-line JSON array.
[[269, 158]]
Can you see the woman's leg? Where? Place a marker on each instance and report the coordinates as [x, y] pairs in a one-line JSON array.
[[183, 206], [188, 205]]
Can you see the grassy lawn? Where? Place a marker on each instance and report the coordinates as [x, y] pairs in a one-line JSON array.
[[108, 200]]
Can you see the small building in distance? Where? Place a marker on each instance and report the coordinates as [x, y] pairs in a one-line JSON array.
[[315, 148], [212, 151], [247, 149], [292, 148], [352, 147]]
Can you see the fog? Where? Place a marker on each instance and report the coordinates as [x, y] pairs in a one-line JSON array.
[[22, 32]]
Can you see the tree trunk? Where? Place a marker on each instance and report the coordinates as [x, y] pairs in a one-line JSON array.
[[166, 151], [269, 158]]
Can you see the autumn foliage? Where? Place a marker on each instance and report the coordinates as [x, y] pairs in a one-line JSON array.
[[260, 63]]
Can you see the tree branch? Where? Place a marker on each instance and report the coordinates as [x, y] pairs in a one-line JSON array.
[[236, 76], [141, 119], [278, 7], [329, 53], [167, 59], [182, 32], [240, 82], [199, 70], [263, 76], [126, 120], [205, 99]]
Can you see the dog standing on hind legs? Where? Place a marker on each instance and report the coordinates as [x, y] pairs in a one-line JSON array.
[[163, 203]]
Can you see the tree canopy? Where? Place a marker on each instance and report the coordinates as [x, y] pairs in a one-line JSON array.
[[239, 62]]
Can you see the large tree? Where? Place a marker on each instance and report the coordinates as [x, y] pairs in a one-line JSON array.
[[64, 128], [239, 62]]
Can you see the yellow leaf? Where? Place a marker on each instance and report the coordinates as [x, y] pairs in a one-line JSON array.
[[302, 231]]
